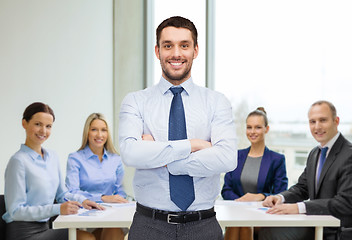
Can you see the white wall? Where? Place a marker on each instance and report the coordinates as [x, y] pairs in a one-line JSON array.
[[59, 52]]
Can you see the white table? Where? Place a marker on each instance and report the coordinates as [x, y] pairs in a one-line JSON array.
[[228, 213]]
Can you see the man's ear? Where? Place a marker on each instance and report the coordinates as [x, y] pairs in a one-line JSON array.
[[337, 120], [196, 49], [157, 53]]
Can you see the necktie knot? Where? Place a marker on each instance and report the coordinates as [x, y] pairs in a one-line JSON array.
[[176, 90], [324, 151]]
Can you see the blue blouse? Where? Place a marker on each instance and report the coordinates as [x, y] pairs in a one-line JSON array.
[[32, 183], [90, 177]]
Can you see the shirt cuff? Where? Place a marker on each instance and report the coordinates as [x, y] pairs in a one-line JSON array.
[[181, 149], [301, 207], [96, 198], [56, 209]]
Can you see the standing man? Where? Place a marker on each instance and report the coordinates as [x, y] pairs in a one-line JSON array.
[[326, 180], [179, 137]]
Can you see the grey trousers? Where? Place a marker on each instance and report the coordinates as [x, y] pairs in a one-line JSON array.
[[34, 231], [143, 228]]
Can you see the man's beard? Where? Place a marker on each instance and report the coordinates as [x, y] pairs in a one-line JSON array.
[[176, 78]]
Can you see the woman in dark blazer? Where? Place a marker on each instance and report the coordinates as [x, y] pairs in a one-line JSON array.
[[260, 172], [271, 178]]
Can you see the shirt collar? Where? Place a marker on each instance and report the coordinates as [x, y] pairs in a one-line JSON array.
[[34, 155], [331, 142], [89, 154], [164, 85]]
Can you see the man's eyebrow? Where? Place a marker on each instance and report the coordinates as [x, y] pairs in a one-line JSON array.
[[165, 41], [169, 41]]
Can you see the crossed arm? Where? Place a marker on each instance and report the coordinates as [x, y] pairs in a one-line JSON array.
[[196, 144], [193, 157]]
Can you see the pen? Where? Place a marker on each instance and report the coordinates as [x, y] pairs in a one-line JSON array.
[[66, 200]]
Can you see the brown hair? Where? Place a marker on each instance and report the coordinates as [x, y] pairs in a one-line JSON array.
[[94, 116], [35, 108], [177, 22], [260, 111], [330, 105]]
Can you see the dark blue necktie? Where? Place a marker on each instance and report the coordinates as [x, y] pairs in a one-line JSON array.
[[321, 161], [181, 186]]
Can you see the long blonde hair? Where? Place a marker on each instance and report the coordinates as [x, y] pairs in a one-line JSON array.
[[109, 144]]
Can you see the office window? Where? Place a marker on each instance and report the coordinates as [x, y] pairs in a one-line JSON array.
[[300, 159], [284, 55], [193, 10]]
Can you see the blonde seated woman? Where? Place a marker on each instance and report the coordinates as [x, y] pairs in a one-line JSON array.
[[96, 171], [260, 172]]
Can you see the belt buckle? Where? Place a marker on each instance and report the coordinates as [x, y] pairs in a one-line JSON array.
[[169, 218]]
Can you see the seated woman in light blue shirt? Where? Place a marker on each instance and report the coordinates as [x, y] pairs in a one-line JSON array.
[[33, 181], [96, 171]]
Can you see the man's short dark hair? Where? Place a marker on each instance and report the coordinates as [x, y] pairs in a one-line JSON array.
[[177, 22]]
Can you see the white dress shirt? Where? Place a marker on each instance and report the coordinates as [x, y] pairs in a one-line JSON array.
[[208, 116]]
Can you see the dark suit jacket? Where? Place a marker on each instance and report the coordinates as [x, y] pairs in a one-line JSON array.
[[272, 177], [335, 183]]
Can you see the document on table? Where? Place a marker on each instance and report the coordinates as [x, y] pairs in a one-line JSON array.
[[232, 202], [92, 212], [101, 213], [261, 209], [118, 205], [89, 213]]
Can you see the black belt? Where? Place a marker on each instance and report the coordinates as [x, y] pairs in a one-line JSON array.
[[175, 217]]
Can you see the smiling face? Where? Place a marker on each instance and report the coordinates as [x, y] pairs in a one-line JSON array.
[[38, 129], [176, 54], [256, 129], [323, 126], [97, 135]]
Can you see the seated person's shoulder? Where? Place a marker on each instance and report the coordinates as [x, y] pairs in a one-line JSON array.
[[276, 155]]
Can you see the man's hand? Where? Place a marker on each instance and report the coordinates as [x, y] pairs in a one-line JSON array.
[[199, 144], [90, 204], [113, 199], [291, 208], [271, 201], [147, 137], [251, 197]]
